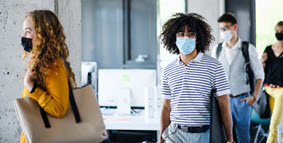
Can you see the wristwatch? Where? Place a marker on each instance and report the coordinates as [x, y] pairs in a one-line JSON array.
[[254, 97]]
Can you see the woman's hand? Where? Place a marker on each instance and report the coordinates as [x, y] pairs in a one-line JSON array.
[[263, 57], [27, 80]]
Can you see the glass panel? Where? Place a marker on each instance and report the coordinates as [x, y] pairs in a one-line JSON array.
[[268, 14], [143, 33]]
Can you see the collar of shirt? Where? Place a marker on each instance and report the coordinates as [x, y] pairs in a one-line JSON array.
[[230, 53], [237, 45], [196, 59]]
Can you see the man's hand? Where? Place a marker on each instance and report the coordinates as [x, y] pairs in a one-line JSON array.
[[251, 100], [165, 118], [224, 105], [161, 140]]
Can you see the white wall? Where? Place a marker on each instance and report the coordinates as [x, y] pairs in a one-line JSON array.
[[69, 14], [12, 13], [211, 10]]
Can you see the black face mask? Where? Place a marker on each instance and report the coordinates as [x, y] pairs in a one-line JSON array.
[[26, 42], [279, 36]]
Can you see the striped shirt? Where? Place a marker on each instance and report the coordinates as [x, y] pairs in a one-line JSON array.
[[188, 88]]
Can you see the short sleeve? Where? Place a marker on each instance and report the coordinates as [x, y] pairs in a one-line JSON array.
[[166, 92], [220, 81]]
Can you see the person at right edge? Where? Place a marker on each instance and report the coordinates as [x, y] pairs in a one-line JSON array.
[[272, 61], [233, 60]]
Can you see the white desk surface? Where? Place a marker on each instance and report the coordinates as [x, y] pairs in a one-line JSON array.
[[137, 121]]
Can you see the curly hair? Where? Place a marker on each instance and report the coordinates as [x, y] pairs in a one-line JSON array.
[[48, 46], [177, 23]]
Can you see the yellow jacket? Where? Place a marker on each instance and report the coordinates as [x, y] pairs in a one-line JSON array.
[[55, 100]]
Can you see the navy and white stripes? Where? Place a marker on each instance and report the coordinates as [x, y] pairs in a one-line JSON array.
[[188, 88]]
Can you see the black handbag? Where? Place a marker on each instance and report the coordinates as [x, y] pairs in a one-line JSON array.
[[216, 129], [261, 106]]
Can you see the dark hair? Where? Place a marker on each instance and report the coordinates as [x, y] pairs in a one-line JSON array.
[[280, 23], [228, 17], [177, 23]]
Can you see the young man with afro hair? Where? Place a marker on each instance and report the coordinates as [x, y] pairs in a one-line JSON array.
[[188, 81]]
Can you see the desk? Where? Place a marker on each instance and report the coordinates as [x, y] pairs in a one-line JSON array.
[[130, 122], [280, 131]]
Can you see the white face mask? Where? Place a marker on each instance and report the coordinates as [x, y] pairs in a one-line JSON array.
[[226, 35]]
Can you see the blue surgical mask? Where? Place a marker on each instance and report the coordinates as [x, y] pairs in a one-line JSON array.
[[186, 45]]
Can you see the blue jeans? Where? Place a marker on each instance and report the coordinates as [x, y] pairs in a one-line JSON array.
[[241, 111]]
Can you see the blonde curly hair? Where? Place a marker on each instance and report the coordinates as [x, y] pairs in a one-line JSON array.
[[48, 46]]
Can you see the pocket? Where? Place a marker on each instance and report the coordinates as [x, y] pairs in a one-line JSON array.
[[247, 104], [165, 133], [242, 104], [247, 107], [169, 132]]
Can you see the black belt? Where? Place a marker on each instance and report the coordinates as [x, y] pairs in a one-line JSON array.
[[194, 129]]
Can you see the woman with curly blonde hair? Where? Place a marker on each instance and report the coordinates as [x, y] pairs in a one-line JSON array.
[[46, 78]]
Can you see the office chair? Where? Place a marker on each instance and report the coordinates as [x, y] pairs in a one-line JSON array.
[[260, 134]]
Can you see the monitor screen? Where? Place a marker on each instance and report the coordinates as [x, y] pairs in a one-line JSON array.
[[89, 71], [116, 83]]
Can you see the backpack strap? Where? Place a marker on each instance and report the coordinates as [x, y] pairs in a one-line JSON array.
[[218, 50], [249, 71], [245, 50]]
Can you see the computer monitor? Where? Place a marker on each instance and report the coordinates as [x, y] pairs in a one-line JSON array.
[[89, 74], [114, 83]]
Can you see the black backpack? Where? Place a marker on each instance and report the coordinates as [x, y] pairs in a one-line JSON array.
[[245, 49]]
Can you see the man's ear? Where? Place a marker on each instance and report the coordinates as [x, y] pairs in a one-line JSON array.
[[235, 26]]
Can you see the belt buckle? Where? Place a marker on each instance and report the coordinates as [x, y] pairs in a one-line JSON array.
[[184, 128]]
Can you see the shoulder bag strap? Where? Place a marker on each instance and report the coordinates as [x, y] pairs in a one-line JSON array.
[[72, 98], [72, 102]]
